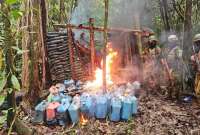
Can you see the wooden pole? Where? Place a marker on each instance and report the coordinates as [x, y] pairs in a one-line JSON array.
[[99, 29], [105, 45], [139, 41], [92, 47], [69, 32]]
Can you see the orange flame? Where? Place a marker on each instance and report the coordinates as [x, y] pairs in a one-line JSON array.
[[83, 120], [97, 83]]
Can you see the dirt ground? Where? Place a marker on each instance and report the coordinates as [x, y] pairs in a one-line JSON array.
[[156, 116]]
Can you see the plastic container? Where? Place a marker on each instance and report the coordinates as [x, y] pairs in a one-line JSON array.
[[91, 106], [83, 100], [109, 98], [61, 87], [39, 116], [68, 82], [62, 114], [134, 105], [54, 98], [115, 110], [74, 110], [126, 108], [41, 106], [63, 96], [101, 107], [51, 111]]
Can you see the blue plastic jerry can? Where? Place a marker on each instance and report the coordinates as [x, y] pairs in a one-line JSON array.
[[62, 112], [83, 100], [41, 106], [68, 82], [126, 108], [63, 96], [101, 107], [61, 87], [109, 98], [115, 110], [91, 106], [134, 105], [87, 105], [40, 112], [56, 98], [74, 109]]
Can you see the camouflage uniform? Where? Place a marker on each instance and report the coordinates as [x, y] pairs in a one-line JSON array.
[[195, 58], [152, 56], [175, 62]]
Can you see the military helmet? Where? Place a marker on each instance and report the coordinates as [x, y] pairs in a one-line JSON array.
[[172, 38], [153, 38], [196, 38]]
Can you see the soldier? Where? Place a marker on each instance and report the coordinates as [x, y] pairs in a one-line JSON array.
[[195, 59], [82, 40], [152, 57], [173, 64]]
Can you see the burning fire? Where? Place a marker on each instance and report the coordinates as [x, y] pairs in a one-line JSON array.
[[99, 72], [83, 120]]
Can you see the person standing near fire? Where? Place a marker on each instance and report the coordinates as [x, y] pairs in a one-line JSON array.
[[173, 65], [195, 59], [152, 57]]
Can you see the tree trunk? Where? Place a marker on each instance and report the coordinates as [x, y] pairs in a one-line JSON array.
[[35, 53], [46, 78], [25, 46], [164, 14], [187, 41], [62, 11], [35, 71]]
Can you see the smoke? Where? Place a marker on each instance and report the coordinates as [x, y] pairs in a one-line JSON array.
[[83, 12], [121, 13]]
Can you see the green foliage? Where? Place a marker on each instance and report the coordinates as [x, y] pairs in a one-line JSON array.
[[10, 2], [3, 81], [54, 11], [16, 14], [3, 117], [19, 51], [11, 13], [2, 98], [15, 82]]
